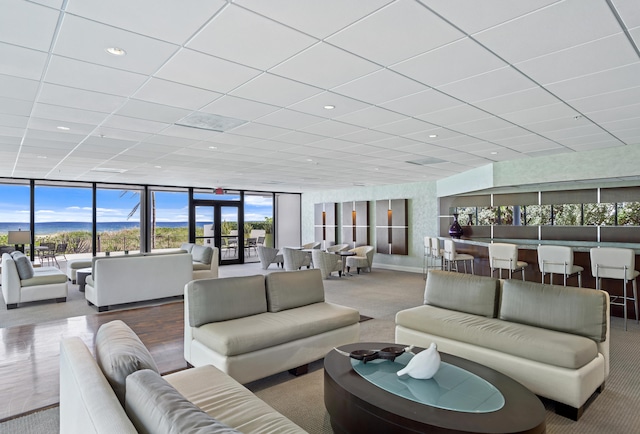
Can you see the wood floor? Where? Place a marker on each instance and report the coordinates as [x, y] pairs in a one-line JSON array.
[[29, 354]]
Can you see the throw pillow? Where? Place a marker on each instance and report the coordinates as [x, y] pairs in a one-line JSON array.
[[23, 265], [202, 254], [186, 247], [154, 406], [120, 352]]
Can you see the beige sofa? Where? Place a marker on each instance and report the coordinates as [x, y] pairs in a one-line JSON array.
[[120, 391], [22, 283], [552, 339], [255, 326], [131, 278]]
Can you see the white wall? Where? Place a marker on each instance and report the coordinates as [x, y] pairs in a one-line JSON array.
[[422, 216], [287, 211]]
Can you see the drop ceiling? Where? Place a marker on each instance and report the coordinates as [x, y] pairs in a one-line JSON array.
[[456, 85]]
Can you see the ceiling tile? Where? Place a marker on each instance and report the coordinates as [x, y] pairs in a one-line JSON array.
[[472, 16], [629, 11], [79, 98], [488, 85], [370, 117], [461, 59], [15, 106], [153, 112], [379, 87], [404, 23], [559, 26], [24, 62], [424, 102], [249, 39], [612, 80], [589, 58], [316, 104], [74, 73], [325, 66], [233, 107], [290, 119], [517, 101], [87, 40], [18, 88], [278, 91], [133, 124], [167, 21], [175, 94], [195, 69], [319, 19], [27, 24], [458, 114], [67, 114]]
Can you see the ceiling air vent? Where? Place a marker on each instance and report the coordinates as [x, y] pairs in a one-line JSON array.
[[209, 121], [426, 161]]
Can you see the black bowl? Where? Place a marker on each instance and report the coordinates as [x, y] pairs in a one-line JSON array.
[[390, 353], [364, 355]]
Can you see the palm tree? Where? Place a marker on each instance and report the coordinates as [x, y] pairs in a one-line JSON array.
[[153, 212]]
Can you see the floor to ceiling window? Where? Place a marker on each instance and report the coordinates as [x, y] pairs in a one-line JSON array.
[[118, 219], [14, 211], [169, 220], [63, 220]]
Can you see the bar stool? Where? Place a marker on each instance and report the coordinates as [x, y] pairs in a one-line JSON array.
[[437, 252], [427, 256], [616, 263], [450, 256], [505, 256], [558, 260]]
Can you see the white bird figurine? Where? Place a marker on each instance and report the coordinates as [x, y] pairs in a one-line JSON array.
[[423, 365]]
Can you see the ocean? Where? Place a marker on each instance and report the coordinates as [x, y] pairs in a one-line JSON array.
[[55, 227]]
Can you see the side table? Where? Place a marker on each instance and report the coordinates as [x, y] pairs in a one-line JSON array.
[[81, 277]]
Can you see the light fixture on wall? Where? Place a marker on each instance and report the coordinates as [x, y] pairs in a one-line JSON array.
[[219, 191], [19, 238]]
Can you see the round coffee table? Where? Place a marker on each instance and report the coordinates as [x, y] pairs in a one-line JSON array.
[[356, 405], [81, 277]]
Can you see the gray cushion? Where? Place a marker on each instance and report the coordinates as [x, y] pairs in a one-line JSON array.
[[202, 254], [23, 265], [212, 300], [294, 289], [119, 352], [568, 309], [186, 247], [155, 407], [462, 292]]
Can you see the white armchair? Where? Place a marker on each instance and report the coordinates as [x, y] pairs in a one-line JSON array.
[[268, 256], [363, 258], [326, 262], [337, 248], [294, 259], [313, 245]]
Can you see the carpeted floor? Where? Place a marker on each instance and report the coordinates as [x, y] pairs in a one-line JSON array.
[[380, 295]]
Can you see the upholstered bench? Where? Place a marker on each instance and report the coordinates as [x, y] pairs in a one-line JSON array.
[[21, 282], [74, 265]]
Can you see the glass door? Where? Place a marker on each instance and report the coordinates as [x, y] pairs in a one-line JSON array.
[[217, 224]]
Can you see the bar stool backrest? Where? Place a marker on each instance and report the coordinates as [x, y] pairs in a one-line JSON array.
[[435, 247], [552, 259], [503, 255], [449, 250], [609, 262], [427, 245]]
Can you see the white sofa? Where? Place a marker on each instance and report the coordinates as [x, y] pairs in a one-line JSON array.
[[552, 339], [21, 282], [120, 391], [130, 278], [254, 326]]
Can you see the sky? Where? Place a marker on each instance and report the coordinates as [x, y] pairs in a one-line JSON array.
[[58, 204]]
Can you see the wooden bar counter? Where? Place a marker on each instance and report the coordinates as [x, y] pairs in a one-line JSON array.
[[527, 251]]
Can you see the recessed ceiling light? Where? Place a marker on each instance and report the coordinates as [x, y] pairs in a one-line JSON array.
[[213, 147], [158, 167], [63, 128], [433, 136], [42, 156], [494, 153], [309, 159], [115, 51], [329, 107]]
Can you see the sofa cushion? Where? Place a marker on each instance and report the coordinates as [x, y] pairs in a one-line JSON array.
[[568, 309], [202, 254], [534, 343], [212, 300], [222, 397], [294, 289], [155, 407], [244, 335], [477, 295], [119, 352], [23, 265], [201, 266], [186, 247], [45, 276]]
